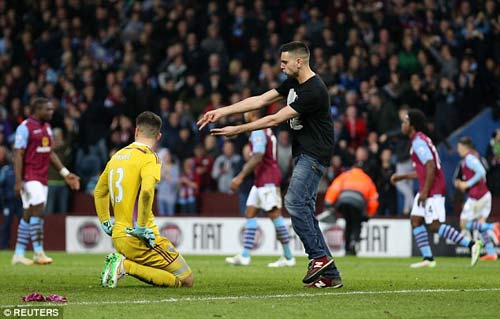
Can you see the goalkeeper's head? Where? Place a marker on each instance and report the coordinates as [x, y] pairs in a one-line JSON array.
[[147, 126]]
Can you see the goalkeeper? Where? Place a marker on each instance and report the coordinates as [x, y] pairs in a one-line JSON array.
[[130, 174]]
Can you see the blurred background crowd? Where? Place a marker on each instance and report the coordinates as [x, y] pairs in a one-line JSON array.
[[103, 62]]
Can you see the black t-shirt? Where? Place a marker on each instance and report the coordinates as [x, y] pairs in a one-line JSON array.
[[312, 130]]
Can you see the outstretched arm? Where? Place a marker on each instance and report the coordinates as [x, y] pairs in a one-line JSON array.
[[282, 115], [248, 104]]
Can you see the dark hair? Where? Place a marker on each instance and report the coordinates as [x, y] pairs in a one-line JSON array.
[[296, 47], [467, 141], [37, 103], [417, 120], [148, 123]]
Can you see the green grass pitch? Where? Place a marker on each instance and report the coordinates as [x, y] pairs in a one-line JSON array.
[[373, 288]]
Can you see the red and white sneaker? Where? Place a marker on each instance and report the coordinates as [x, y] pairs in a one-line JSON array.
[[316, 268], [325, 282]]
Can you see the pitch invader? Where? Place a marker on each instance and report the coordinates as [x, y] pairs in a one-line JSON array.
[[265, 194], [428, 212], [477, 207], [33, 154]]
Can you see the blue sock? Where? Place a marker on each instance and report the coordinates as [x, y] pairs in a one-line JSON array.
[[283, 236], [472, 225], [488, 245], [446, 231], [249, 236], [36, 232], [23, 237], [422, 239]]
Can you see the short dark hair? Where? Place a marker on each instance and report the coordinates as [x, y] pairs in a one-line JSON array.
[[467, 141], [37, 103], [417, 120], [296, 47], [148, 123]]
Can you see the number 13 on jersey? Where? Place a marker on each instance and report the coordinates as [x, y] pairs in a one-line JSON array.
[[116, 196]]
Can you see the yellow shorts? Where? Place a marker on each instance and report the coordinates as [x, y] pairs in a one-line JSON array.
[[163, 256]]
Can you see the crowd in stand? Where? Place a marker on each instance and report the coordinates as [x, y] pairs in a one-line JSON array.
[[103, 62]]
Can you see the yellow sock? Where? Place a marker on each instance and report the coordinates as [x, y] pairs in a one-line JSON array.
[[150, 275]]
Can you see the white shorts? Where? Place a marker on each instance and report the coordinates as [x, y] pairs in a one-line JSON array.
[[476, 208], [33, 193], [434, 209], [266, 197]]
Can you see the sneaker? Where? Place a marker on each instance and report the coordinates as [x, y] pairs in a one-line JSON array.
[[282, 262], [238, 260], [475, 252], [42, 259], [20, 259], [489, 257], [325, 282], [316, 268], [496, 231], [116, 270], [106, 270], [424, 263]]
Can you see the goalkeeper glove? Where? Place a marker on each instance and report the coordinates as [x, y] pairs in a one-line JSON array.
[[143, 233], [107, 226]]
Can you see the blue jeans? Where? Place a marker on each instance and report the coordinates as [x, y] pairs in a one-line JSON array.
[[300, 201]]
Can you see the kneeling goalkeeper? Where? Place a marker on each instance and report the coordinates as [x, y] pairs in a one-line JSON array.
[[142, 252]]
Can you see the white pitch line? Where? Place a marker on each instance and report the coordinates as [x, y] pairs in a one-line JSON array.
[[224, 298]]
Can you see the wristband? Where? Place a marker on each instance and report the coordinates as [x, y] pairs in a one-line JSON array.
[[64, 172]]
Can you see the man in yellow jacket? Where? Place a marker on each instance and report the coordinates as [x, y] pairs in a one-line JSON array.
[[355, 196]]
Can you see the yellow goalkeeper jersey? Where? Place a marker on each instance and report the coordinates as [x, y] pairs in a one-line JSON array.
[[120, 184]]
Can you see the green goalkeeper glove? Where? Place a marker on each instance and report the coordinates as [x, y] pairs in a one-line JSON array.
[[107, 226], [143, 233]]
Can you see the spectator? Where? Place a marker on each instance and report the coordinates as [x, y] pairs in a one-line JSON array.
[[285, 161], [225, 166], [10, 204], [168, 185], [203, 165], [493, 157], [248, 181], [386, 190], [188, 188]]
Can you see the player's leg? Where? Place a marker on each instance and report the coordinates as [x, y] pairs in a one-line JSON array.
[[491, 253], [270, 201], [159, 266], [250, 231], [36, 233], [23, 239], [435, 210], [287, 260], [421, 235], [473, 217], [23, 230]]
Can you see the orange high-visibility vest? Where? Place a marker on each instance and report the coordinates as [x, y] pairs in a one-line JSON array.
[[356, 180]]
